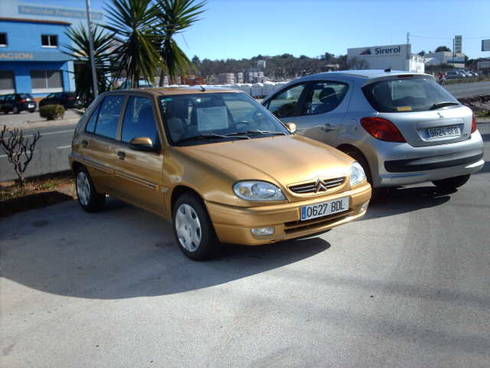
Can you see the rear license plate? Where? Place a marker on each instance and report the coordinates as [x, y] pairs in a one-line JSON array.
[[442, 132], [30, 106], [324, 208]]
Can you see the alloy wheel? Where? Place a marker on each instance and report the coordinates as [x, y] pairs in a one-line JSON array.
[[188, 227]]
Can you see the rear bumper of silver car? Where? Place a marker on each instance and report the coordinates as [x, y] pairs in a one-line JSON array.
[[405, 164], [413, 177]]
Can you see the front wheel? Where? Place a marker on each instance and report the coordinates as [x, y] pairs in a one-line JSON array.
[[89, 199], [193, 229], [451, 184]]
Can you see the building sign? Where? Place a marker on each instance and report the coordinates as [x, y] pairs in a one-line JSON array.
[[16, 56], [485, 45], [53, 55], [458, 44], [57, 12], [391, 50]]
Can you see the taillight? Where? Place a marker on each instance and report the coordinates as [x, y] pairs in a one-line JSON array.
[[70, 98], [382, 129], [474, 124], [23, 100]]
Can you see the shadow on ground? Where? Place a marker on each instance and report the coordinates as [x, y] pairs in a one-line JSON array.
[[123, 252], [394, 201]]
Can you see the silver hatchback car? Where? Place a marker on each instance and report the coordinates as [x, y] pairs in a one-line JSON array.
[[403, 128]]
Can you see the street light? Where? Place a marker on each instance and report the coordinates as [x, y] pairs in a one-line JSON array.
[[91, 50]]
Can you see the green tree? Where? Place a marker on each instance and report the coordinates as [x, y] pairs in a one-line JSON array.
[[133, 24], [173, 17], [78, 50], [443, 48]]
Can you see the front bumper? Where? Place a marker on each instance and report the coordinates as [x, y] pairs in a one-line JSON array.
[[234, 224]]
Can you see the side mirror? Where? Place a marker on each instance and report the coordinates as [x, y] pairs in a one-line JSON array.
[[142, 144], [291, 127]]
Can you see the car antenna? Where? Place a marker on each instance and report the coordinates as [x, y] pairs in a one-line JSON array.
[[202, 89], [387, 70]]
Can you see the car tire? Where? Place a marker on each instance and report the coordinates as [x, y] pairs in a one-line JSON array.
[[193, 229], [32, 111], [451, 184], [88, 198], [15, 110]]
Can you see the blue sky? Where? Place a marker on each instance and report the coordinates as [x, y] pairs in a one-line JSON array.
[[245, 28]]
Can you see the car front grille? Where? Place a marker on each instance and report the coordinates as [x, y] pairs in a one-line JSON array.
[[317, 186]]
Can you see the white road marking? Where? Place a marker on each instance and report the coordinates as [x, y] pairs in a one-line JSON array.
[[53, 133], [64, 147]]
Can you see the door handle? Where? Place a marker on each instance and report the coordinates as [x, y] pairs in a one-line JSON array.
[[328, 127], [121, 155], [84, 143]]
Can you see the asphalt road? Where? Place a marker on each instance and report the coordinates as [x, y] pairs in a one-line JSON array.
[[407, 286], [51, 152], [461, 90]]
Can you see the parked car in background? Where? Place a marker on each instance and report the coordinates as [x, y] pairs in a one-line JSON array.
[[403, 128], [217, 164], [17, 102], [67, 99], [454, 74]]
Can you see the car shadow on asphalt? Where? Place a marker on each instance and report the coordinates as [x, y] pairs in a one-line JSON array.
[[124, 252], [394, 201]]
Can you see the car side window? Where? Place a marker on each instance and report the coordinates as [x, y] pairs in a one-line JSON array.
[[323, 97], [90, 127], [139, 120], [108, 117], [288, 102]]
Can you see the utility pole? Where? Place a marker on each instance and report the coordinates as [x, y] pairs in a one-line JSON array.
[[91, 50]]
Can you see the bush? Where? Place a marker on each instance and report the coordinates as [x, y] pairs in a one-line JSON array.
[[52, 112]]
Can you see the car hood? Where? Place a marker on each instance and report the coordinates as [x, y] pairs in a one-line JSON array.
[[284, 160]]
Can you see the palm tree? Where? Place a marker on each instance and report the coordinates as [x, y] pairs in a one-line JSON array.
[[173, 17], [78, 50], [132, 22]]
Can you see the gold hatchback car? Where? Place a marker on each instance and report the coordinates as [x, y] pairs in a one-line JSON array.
[[217, 164]]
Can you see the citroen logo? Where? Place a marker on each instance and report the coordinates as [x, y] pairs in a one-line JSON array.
[[320, 186]]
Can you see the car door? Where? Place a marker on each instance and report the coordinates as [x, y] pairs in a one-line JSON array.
[[99, 144], [139, 173], [322, 110]]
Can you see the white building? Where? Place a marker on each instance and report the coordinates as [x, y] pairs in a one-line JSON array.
[[395, 57], [445, 57]]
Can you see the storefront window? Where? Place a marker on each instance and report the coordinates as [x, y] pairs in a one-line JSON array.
[[6, 82], [46, 81]]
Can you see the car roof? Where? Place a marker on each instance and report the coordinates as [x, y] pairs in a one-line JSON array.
[[360, 74], [180, 90]]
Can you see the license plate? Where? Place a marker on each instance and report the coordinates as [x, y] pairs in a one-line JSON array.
[[442, 132], [324, 208], [30, 105]]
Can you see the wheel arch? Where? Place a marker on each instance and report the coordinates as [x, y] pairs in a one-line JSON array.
[[348, 149]]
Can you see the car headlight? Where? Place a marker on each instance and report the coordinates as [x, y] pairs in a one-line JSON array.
[[258, 191], [357, 174]]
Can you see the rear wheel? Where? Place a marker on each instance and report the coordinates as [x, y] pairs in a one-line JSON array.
[[89, 199], [193, 229], [15, 110], [451, 183]]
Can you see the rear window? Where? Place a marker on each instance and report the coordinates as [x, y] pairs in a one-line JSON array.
[[406, 94], [24, 95]]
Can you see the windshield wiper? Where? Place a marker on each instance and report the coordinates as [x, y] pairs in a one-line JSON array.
[[257, 131], [202, 137], [443, 104]]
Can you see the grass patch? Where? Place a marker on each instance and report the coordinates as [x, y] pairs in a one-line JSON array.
[[37, 192]]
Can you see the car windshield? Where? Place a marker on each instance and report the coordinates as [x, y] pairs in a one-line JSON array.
[[211, 117], [407, 94]]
